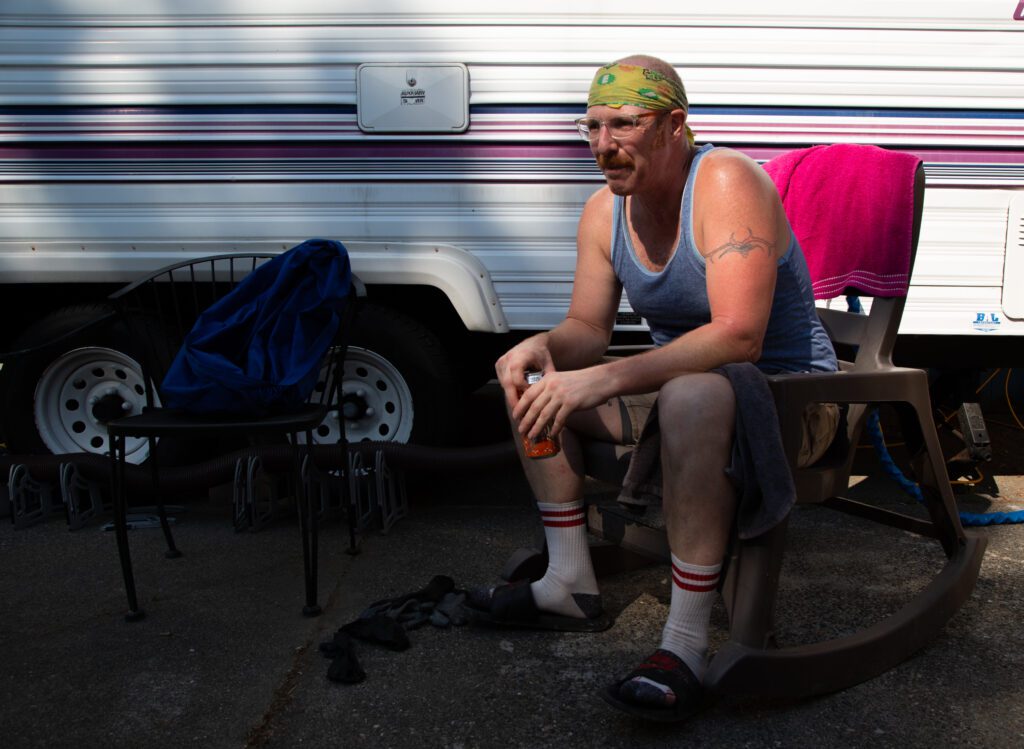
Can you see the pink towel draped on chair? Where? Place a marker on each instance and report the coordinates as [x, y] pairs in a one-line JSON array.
[[870, 257]]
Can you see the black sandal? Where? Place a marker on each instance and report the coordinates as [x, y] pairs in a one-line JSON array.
[[664, 668], [513, 606]]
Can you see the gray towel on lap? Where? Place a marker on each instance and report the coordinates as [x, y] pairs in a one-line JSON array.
[[758, 469]]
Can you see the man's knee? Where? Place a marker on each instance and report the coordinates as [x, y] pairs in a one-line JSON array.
[[697, 409]]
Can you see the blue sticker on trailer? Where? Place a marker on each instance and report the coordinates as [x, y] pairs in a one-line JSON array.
[[985, 322]]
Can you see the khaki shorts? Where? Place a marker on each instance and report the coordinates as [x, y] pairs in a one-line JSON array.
[[821, 420]]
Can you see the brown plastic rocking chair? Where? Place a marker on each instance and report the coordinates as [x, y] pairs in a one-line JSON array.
[[749, 662]]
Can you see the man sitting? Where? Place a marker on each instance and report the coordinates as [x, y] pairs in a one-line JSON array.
[[698, 239]]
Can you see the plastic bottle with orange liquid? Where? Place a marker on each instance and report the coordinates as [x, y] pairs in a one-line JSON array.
[[545, 445]]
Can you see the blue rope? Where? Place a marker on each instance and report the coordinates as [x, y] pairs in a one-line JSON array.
[[890, 467]]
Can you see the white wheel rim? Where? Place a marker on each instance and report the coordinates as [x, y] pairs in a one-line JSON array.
[[70, 388], [376, 402]]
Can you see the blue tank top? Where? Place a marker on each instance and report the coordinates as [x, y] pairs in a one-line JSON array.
[[675, 300]]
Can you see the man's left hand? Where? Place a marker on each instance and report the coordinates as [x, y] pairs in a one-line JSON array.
[[549, 402]]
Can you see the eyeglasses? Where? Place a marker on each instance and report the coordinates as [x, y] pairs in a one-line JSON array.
[[620, 128]]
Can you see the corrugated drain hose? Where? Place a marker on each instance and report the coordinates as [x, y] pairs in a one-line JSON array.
[[175, 480]]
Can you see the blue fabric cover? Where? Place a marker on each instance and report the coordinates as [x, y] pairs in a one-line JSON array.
[[258, 349]]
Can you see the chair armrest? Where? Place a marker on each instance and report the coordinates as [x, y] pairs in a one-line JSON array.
[[893, 384]]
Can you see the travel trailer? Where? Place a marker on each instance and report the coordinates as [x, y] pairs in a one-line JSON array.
[[435, 139]]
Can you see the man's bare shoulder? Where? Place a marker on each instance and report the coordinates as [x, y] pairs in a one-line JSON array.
[[736, 208], [725, 169], [600, 202]]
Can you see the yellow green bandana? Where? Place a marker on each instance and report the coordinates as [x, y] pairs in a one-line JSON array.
[[617, 85]]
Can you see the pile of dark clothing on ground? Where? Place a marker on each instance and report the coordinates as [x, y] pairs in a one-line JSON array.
[[387, 623]]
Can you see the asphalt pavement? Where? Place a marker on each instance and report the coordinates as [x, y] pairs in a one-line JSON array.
[[224, 657]]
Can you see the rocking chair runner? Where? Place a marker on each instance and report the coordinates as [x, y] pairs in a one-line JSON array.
[[749, 663]]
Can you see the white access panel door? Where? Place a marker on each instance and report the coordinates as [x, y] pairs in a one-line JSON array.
[[1013, 268], [400, 98]]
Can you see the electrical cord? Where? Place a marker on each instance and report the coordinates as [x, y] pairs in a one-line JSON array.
[[1009, 400], [874, 429]]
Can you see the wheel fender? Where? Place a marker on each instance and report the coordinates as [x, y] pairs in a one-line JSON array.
[[457, 273]]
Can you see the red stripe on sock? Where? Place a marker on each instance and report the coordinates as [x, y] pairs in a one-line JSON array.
[[704, 587], [560, 513], [692, 576], [565, 523]]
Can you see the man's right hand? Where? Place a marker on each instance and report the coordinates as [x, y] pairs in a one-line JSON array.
[[531, 355]]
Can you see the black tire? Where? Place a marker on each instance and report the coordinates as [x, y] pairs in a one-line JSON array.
[[391, 357], [43, 410]]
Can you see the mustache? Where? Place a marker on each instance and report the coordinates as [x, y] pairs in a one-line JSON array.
[[617, 161]]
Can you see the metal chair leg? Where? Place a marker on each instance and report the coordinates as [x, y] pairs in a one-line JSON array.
[[154, 473], [306, 520], [117, 461], [348, 497], [314, 539]]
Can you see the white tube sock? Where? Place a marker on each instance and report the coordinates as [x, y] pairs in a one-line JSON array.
[[570, 572], [686, 631]]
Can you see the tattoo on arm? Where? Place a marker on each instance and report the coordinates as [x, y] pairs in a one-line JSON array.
[[744, 246]]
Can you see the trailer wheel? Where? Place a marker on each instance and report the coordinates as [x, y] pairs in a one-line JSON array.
[[398, 384], [59, 401]]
